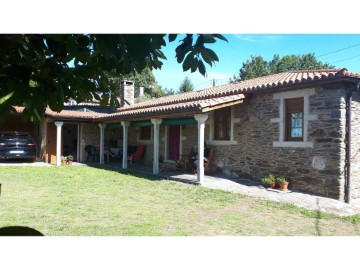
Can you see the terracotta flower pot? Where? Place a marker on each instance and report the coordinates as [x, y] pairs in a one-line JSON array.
[[69, 163], [283, 186], [63, 162], [272, 184]]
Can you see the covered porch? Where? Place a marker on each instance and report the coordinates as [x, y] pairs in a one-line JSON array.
[[165, 141]]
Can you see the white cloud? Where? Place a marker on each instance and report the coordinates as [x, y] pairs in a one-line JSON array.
[[259, 38]]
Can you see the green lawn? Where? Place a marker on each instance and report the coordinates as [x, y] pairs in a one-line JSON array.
[[74, 200]]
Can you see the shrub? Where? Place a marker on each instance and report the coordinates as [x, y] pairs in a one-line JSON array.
[[269, 179], [282, 180]]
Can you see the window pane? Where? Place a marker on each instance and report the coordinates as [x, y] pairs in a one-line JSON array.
[[296, 125], [294, 119], [222, 124], [228, 126]]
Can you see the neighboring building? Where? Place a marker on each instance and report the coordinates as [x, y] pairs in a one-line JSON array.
[[304, 125]]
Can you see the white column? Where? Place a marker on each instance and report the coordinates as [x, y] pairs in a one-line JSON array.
[[102, 132], [78, 148], [201, 118], [156, 123], [58, 142], [125, 143]]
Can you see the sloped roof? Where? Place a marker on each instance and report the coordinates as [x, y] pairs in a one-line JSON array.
[[66, 114], [213, 97], [197, 101]]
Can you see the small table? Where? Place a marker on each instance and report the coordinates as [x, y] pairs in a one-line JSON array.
[[116, 151]]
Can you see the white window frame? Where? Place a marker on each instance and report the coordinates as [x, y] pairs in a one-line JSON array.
[[304, 93]]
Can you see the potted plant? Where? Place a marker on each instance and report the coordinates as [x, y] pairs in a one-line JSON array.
[[63, 160], [283, 183], [269, 180], [69, 160]]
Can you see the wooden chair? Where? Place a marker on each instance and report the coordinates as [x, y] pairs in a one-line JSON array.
[[184, 158], [139, 153], [207, 163]]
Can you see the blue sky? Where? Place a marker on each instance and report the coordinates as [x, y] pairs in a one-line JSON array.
[[241, 46]]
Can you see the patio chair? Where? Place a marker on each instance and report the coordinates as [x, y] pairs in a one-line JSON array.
[[92, 153], [139, 153], [207, 163], [184, 158]]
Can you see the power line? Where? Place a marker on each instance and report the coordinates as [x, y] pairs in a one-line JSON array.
[[338, 50], [208, 81], [346, 59]]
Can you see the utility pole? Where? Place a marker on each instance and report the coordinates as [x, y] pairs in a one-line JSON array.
[[213, 82]]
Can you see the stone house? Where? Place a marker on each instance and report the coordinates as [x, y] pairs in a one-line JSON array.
[[304, 125]]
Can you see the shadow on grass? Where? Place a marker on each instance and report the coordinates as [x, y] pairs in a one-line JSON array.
[[130, 171], [19, 231]]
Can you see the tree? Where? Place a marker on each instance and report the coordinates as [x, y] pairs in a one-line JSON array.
[[186, 86], [257, 66], [41, 70]]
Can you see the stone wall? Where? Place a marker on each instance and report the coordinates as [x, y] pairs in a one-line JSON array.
[[318, 169], [355, 147], [90, 134]]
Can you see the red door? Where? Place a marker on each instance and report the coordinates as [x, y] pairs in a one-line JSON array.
[[51, 143], [174, 142]]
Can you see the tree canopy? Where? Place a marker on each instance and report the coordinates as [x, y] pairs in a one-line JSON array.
[[186, 86], [45, 70], [258, 66]]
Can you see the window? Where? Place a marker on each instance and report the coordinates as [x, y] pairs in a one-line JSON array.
[[294, 119], [222, 124], [145, 133]]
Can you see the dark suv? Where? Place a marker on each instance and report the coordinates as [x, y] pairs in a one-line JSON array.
[[17, 145]]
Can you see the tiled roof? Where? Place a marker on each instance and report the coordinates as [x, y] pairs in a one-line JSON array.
[[198, 101], [66, 114], [187, 106], [73, 114]]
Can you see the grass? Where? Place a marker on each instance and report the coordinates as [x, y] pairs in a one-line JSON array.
[[74, 201]]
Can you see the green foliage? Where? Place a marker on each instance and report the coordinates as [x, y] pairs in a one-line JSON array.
[[270, 178], [281, 180], [186, 86], [194, 53], [257, 66], [45, 70]]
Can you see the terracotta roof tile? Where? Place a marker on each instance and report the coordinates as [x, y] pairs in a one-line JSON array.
[[229, 92], [72, 114], [66, 114], [196, 101]]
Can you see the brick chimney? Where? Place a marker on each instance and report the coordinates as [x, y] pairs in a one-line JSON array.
[[126, 93]]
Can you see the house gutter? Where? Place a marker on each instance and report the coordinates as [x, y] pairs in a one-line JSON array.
[[348, 143]]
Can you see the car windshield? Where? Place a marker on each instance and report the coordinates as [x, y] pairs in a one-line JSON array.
[[9, 136]]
